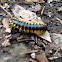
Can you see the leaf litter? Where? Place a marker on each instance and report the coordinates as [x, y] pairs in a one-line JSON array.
[[36, 43]]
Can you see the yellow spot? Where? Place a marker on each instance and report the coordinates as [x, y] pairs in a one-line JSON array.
[[10, 21], [17, 19], [11, 24], [14, 25], [35, 23], [31, 31], [17, 26], [38, 23], [24, 30], [27, 30], [42, 32], [31, 23], [23, 21], [20, 29], [26, 22], [41, 23], [35, 31]]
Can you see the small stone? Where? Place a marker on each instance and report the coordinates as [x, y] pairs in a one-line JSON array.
[[33, 55]]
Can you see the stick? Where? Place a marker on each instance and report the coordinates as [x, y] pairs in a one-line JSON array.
[[42, 10], [33, 51], [59, 20], [5, 11]]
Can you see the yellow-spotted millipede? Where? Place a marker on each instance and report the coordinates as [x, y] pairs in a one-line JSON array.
[[27, 27]]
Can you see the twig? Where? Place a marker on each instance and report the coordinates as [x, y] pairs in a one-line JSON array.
[[36, 39], [28, 52], [42, 10], [5, 11], [59, 20], [19, 40]]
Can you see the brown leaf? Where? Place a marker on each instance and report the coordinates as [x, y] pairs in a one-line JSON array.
[[42, 57], [24, 14], [6, 43], [5, 23]]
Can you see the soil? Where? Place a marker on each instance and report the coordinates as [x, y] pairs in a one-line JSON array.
[[13, 53]]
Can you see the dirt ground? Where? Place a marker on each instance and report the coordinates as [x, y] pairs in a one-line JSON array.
[[14, 52]]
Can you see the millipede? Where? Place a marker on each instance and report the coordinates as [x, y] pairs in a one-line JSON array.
[[27, 27]]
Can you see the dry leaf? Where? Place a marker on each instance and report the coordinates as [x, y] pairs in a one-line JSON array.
[[42, 57], [46, 36], [6, 43], [8, 30], [51, 58], [27, 15], [5, 23]]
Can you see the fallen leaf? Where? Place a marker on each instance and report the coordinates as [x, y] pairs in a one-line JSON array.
[[27, 15], [8, 30], [5, 22], [35, 8], [6, 43], [42, 57], [51, 58], [46, 36], [6, 25]]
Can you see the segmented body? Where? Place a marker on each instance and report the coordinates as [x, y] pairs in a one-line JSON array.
[[27, 27]]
